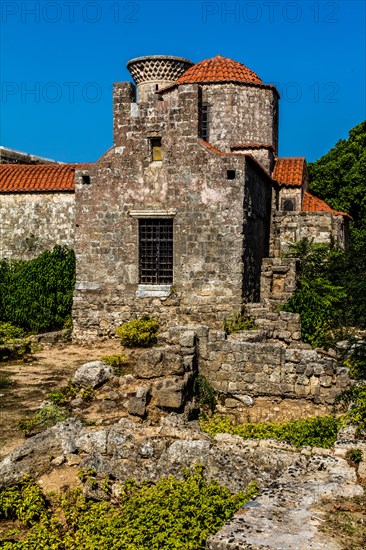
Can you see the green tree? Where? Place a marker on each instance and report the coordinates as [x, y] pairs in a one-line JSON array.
[[339, 178]]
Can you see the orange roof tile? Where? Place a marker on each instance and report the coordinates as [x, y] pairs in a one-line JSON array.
[[218, 69], [37, 177], [290, 171], [313, 204], [215, 149]]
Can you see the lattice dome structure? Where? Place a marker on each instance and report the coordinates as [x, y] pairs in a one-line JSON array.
[[154, 68], [154, 72]]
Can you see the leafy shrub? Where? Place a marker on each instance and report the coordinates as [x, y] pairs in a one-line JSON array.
[[10, 332], [63, 395], [320, 431], [204, 393], [352, 403], [355, 359], [117, 362], [139, 332], [87, 394], [317, 299], [44, 418], [24, 501], [355, 455], [331, 293], [37, 294], [173, 514], [239, 322], [15, 350]]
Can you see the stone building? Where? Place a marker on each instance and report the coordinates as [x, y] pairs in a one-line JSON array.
[[177, 217], [37, 208], [187, 209]]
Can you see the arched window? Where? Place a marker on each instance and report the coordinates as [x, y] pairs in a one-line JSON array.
[[288, 205]]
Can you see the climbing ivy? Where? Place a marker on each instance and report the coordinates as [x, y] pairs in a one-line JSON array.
[[37, 294]]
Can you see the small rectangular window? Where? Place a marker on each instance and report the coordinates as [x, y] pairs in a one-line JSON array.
[[156, 150], [156, 251], [230, 174], [85, 180], [205, 121]]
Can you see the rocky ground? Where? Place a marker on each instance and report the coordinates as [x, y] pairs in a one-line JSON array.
[[296, 508], [25, 384]]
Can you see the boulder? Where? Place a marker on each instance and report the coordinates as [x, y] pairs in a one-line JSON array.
[[93, 374], [170, 393], [158, 362], [137, 404]]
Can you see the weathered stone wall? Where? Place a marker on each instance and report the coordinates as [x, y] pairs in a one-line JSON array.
[[33, 222], [294, 193], [241, 114], [264, 156], [191, 186], [318, 227], [245, 370], [278, 279]]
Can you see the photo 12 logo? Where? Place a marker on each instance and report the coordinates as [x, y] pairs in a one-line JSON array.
[[51, 92], [270, 12], [317, 92], [69, 11]]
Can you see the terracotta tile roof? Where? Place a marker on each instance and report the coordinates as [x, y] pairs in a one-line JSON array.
[[290, 171], [214, 149], [37, 177], [313, 204], [218, 69], [237, 155]]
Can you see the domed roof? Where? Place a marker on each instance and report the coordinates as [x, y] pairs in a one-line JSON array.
[[218, 69]]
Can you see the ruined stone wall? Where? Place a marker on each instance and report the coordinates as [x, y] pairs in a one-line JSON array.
[[33, 222], [318, 227], [241, 114], [278, 279], [260, 375], [262, 379], [191, 186]]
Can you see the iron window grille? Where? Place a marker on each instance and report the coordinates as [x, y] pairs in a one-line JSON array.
[[205, 121], [156, 251]]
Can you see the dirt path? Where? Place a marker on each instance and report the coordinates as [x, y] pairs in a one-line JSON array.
[[23, 386]]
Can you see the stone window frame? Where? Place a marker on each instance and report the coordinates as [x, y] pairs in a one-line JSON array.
[[162, 291], [287, 201], [156, 149]]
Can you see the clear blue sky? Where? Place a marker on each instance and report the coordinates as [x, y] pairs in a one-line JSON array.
[[60, 58]]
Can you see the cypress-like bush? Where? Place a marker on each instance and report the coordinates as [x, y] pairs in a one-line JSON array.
[[37, 294]]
